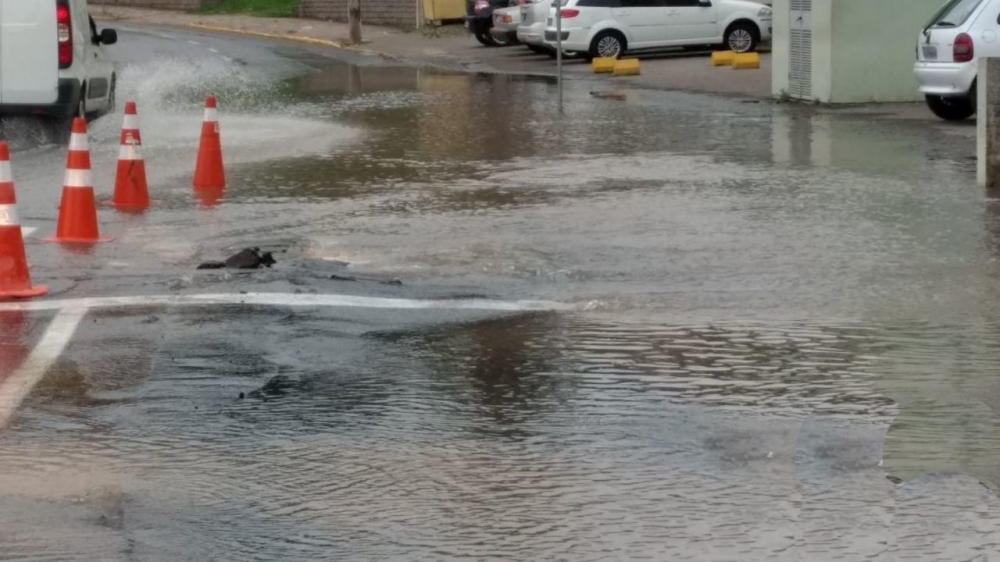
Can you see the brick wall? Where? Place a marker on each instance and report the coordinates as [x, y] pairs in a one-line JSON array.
[[397, 13], [158, 4]]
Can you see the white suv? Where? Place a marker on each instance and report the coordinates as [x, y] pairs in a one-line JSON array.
[[946, 55], [52, 60], [609, 28]]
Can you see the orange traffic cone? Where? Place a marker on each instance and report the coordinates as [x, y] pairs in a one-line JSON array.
[[131, 191], [208, 171], [15, 283], [77, 211]]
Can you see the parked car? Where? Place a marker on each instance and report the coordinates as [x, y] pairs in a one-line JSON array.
[[610, 28], [946, 55], [531, 31], [505, 22], [479, 19], [59, 68]]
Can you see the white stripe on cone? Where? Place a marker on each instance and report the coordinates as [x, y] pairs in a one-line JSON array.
[[77, 178], [8, 216], [78, 141], [131, 122], [5, 173], [210, 115], [129, 152]]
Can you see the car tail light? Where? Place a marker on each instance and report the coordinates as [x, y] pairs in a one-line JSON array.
[[963, 48], [566, 14], [481, 5], [64, 27]]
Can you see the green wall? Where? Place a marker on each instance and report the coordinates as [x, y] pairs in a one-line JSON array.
[[872, 51]]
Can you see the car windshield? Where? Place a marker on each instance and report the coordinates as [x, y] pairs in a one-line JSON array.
[[954, 13]]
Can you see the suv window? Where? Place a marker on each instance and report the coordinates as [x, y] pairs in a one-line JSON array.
[[600, 3], [682, 3], [644, 3]]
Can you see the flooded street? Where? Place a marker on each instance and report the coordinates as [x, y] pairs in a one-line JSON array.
[[716, 327]]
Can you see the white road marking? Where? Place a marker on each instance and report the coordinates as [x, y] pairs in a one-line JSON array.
[[216, 51], [193, 42], [16, 387], [27, 231], [283, 299]]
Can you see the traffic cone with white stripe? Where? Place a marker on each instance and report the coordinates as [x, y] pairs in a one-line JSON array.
[[208, 172], [15, 282], [131, 191], [77, 211]]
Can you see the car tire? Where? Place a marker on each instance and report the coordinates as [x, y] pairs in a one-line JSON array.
[[484, 38], [501, 41], [951, 108], [608, 43], [742, 37], [566, 54]]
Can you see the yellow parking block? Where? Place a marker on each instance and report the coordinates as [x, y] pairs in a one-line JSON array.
[[603, 65], [723, 58], [746, 60], [627, 67]]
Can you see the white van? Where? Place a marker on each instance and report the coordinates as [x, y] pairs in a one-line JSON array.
[[947, 49], [52, 60]]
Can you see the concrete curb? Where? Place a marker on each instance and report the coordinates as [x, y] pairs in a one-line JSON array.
[[312, 40]]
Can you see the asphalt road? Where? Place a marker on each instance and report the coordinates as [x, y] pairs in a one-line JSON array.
[[666, 327]]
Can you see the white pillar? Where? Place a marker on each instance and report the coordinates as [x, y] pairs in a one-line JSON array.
[[988, 125]]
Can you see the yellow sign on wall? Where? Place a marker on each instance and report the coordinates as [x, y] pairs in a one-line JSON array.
[[438, 10]]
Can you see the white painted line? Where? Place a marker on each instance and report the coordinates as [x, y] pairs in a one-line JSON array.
[[18, 385], [193, 42], [284, 299], [27, 231], [216, 51]]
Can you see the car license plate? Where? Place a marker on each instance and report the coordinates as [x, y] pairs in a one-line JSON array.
[[549, 23], [930, 52]]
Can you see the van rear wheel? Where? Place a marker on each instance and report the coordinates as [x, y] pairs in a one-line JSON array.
[[951, 108]]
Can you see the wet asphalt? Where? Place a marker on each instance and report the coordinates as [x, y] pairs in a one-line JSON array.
[[745, 296]]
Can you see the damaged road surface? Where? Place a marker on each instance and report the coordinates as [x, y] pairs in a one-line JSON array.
[[458, 326]]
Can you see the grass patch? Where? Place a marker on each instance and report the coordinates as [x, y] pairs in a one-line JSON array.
[[260, 8]]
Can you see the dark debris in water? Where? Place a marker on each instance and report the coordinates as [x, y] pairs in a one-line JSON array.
[[250, 258]]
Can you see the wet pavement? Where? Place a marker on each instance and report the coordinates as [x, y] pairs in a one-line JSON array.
[[737, 300]]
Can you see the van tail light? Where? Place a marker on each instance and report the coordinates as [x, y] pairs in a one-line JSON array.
[[64, 27], [481, 5], [964, 51], [567, 14]]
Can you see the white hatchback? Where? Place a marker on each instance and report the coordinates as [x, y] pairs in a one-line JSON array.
[[946, 52], [609, 28]]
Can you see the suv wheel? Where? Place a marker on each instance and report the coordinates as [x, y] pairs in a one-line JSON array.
[[742, 37], [951, 108], [608, 44]]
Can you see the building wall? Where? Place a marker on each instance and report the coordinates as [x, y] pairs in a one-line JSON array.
[[397, 13], [158, 4], [863, 50], [873, 49]]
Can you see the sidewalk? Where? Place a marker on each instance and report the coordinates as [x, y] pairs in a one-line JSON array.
[[451, 47]]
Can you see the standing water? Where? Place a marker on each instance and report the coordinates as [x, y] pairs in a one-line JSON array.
[[779, 340]]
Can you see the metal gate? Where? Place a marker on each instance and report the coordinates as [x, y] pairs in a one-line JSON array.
[[800, 50]]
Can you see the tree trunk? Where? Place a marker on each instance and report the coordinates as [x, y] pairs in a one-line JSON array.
[[354, 18]]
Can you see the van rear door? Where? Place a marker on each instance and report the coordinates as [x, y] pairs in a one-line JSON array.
[[29, 52]]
